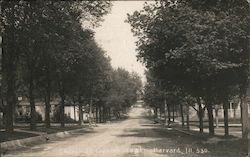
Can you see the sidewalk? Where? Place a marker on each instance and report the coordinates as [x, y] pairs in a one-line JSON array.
[[41, 137], [234, 129], [23, 131]]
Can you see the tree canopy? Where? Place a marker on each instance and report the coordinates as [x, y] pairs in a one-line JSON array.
[[201, 49]]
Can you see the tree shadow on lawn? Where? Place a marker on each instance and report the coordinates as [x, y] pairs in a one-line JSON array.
[[53, 129], [172, 139], [5, 136], [40, 146]]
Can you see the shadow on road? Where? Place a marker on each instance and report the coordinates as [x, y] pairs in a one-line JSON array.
[[162, 139]]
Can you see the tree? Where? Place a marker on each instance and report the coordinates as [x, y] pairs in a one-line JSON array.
[[10, 15], [123, 89], [190, 48], [57, 22]]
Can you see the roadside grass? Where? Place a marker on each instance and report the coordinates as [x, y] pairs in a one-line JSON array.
[[217, 145], [26, 132], [23, 130], [53, 129], [230, 148], [4, 136]]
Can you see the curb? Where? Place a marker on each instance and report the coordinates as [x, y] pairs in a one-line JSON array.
[[185, 132], [43, 138]]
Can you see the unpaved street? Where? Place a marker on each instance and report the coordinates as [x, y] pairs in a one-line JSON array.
[[135, 136]]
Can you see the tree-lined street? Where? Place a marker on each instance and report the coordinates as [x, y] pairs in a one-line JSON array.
[[197, 55], [57, 76], [135, 136], [48, 54]]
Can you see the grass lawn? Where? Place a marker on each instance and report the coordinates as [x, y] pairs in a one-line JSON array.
[[222, 146], [4, 136], [217, 146], [40, 129], [228, 147], [55, 129]]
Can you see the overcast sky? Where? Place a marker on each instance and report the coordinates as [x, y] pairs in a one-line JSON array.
[[116, 38]]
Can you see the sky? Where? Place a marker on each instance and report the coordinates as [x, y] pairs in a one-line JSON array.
[[116, 38]]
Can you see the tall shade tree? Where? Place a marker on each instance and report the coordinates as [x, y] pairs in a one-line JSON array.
[[199, 51], [39, 32], [10, 18]]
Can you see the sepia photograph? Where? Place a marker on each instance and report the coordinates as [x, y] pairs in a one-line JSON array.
[[125, 78]]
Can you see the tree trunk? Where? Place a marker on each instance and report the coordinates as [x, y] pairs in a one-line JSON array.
[[216, 118], [62, 95], [62, 117], [245, 118], [109, 114], [80, 114], [32, 103], [234, 109], [169, 114], [1, 89], [188, 126], [11, 96], [96, 114], [225, 108], [100, 114], [74, 112], [10, 106], [9, 70], [47, 111], [104, 114], [160, 113], [200, 115], [47, 101], [182, 116], [90, 110], [155, 113], [241, 102], [165, 109], [173, 117], [4, 115], [210, 118]]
